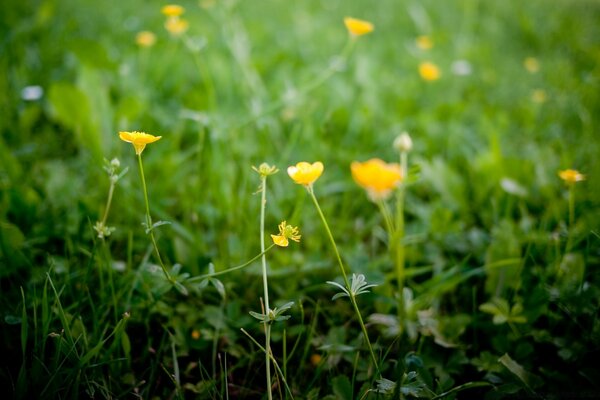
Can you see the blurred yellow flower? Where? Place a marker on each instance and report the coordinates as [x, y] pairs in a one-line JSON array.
[[305, 173], [176, 26], [429, 71], [532, 65], [145, 39], [571, 176], [358, 27], [539, 96], [286, 232], [315, 359], [172, 10], [195, 334], [424, 42], [377, 177], [139, 140]]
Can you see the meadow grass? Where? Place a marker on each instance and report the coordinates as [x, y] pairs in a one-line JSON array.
[[483, 257]]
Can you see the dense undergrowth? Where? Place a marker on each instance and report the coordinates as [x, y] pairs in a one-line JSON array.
[[498, 293]]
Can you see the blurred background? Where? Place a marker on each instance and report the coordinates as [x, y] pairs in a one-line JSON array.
[[497, 97]]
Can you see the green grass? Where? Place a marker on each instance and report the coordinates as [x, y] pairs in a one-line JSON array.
[[502, 292]]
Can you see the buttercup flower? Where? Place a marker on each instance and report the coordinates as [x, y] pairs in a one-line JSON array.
[[139, 140], [176, 26], [172, 10], [424, 42], [429, 71], [305, 173], [145, 39], [286, 232], [532, 65], [358, 27], [571, 176], [377, 177]]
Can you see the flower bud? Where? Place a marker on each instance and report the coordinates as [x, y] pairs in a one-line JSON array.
[[403, 143]]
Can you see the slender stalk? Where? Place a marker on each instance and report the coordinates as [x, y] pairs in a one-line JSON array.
[[149, 221], [263, 204], [343, 270], [398, 237], [571, 217], [228, 270], [111, 190]]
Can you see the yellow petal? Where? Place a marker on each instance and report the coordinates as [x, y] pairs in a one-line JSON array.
[[280, 240], [358, 27], [429, 71], [305, 173], [172, 10]]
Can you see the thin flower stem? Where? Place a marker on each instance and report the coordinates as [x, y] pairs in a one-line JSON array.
[[263, 204], [398, 237], [346, 281], [571, 217], [149, 221], [111, 189], [385, 213], [228, 270]]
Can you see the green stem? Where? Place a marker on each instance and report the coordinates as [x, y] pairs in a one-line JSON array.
[[263, 204], [398, 238], [149, 221], [343, 270], [228, 270], [111, 189], [571, 217]]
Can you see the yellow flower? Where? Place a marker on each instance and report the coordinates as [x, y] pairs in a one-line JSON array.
[[195, 334], [424, 42], [532, 65], [305, 173], [172, 10], [286, 232], [377, 177], [145, 39], [539, 96], [315, 359], [358, 27], [139, 140], [429, 71], [176, 26], [571, 176]]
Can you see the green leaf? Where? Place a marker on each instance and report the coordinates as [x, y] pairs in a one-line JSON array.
[[342, 387], [530, 380]]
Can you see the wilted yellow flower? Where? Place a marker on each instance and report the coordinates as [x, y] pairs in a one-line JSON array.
[[305, 173], [176, 26], [172, 10], [145, 39], [539, 96], [571, 176], [358, 27], [377, 177], [286, 232], [429, 71], [265, 169], [424, 42], [531, 64], [139, 140]]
